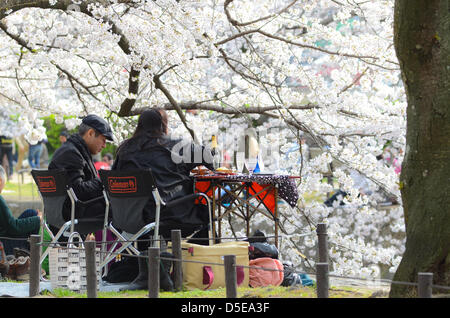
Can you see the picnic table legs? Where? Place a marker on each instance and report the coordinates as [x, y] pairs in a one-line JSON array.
[[219, 210], [213, 211], [247, 208], [246, 212], [275, 216]]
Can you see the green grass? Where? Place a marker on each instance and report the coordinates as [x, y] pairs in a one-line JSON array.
[[15, 190], [248, 292], [313, 196]]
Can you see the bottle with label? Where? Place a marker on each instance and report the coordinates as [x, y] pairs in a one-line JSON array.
[[215, 150]]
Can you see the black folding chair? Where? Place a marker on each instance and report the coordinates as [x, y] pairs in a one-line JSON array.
[[128, 192], [54, 190]]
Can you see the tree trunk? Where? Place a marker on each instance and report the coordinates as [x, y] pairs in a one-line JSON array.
[[421, 38]]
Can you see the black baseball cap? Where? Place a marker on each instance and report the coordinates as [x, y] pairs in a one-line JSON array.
[[99, 124]]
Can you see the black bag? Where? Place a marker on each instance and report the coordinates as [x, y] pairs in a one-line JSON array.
[[258, 250], [258, 236], [123, 271], [127, 269], [291, 278]]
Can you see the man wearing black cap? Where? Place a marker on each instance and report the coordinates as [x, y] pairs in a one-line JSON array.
[[63, 136], [75, 156]]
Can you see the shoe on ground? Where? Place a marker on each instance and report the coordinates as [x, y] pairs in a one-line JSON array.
[[23, 268], [19, 268], [12, 267], [4, 265], [4, 269], [20, 252]]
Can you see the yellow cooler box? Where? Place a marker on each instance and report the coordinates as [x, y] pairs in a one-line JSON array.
[[203, 274]]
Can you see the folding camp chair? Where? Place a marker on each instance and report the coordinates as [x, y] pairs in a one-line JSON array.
[[54, 190], [128, 192]]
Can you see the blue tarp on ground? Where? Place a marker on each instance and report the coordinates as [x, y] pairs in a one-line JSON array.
[[20, 289], [9, 289]]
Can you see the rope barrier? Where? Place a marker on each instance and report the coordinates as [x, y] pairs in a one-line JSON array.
[[441, 287], [374, 280], [269, 269], [14, 238], [58, 244], [243, 238]]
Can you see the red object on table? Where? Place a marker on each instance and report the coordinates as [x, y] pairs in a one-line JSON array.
[[267, 188], [266, 196]]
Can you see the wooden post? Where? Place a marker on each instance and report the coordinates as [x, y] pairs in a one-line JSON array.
[[230, 276], [177, 264], [153, 272], [322, 280], [91, 269], [322, 237], [424, 289], [35, 265]]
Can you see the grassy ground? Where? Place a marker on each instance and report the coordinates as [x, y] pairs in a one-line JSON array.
[[16, 190], [260, 292]]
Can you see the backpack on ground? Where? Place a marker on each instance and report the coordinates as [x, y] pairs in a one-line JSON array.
[[265, 271], [123, 271]]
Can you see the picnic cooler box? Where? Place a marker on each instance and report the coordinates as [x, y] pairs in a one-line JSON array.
[[68, 266], [210, 276]]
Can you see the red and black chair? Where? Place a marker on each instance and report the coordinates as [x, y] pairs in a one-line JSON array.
[[128, 192], [54, 190]]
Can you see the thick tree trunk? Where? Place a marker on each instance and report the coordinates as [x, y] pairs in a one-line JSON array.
[[421, 31]]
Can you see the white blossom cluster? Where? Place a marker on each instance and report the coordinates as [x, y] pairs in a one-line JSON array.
[[326, 70]]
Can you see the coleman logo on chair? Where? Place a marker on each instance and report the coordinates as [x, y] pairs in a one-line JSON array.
[[46, 184], [122, 184]]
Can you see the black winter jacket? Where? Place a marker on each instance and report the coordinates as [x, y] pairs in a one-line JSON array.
[[163, 156], [75, 158]]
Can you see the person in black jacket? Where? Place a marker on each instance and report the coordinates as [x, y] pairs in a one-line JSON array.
[[171, 161], [75, 156]]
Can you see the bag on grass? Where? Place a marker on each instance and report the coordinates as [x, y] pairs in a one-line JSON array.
[[263, 249], [292, 278], [125, 270], [68, 265], [265, 271], [203, 273], [47, 239]]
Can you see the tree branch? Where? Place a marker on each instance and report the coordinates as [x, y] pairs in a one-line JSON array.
[[237, 23], [159, 85], [223, 109]]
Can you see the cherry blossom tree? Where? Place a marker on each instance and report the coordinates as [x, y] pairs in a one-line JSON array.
[[325, 71]]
